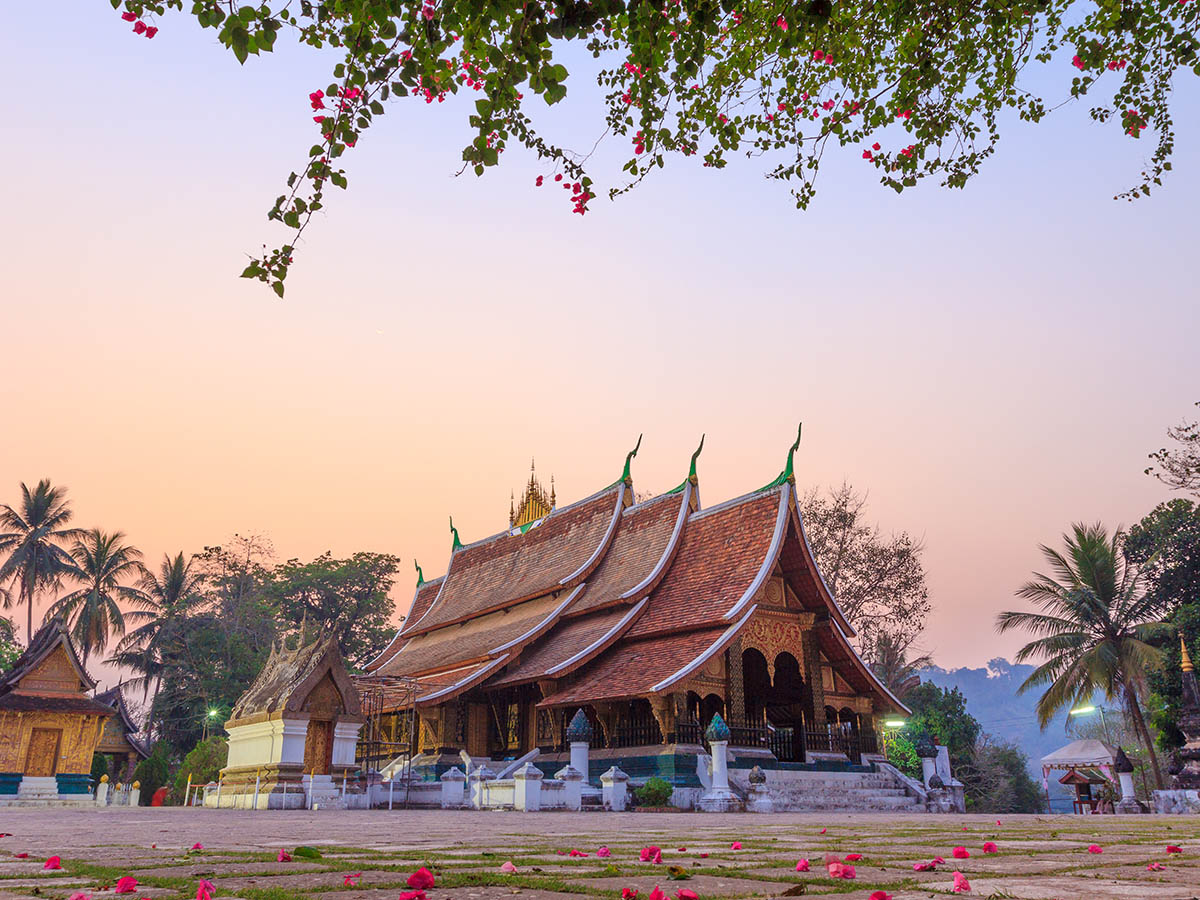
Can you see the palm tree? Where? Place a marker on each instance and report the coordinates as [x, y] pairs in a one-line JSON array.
[[169, 599], [32, 535], [1095, 627], [893, 668], [100, 562]]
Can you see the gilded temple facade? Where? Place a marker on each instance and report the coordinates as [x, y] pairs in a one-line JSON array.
[[649, 616], [49, 725]]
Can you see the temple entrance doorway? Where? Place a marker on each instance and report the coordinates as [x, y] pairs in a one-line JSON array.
[[41, 760], [318, 747]]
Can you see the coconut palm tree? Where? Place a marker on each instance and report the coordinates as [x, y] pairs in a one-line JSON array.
[[171, 597], [1094, 629], [32, 535], [893, 668], [100, 562]]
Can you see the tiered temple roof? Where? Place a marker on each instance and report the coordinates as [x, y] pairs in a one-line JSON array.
[[50, 676], [626, 599]]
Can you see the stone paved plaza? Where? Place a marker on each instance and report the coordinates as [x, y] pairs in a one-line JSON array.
[[1038, 858]]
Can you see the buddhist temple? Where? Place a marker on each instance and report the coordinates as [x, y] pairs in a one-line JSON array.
[[649, 616], [293, 731], [120, 736], [49, 725]]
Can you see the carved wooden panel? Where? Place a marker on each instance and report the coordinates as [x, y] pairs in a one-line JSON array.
[[318, 746], [41, 761], [55, 675], [324, 701], [772, 635]]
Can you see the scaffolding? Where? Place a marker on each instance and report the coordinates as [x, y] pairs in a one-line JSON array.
[[390, 727]]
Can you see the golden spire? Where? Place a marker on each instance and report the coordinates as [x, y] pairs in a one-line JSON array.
[[1187, 660], [534, 502]]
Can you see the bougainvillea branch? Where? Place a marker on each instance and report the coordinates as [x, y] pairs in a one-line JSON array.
[[914, 87]]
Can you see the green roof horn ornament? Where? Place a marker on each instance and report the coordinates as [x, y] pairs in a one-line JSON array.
[[691, 470], [457, 545], [625, 475], [420, 574], [788, 473]]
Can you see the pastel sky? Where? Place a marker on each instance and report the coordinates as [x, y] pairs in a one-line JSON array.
[[991, 364]]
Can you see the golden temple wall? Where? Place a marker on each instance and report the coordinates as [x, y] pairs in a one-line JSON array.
[[80, 735]]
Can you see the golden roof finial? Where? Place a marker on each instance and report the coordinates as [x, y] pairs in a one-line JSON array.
[[553, 499], [1187, 660]]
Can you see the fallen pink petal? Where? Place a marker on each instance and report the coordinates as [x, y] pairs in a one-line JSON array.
[[126, 884], [351, 879], [961, 885], [1095, 848], [604, 853], [736, 845], [961, 853], [880, 895], [53, 862], [205, 890], [802, 866], [508, 867], [283, 856], [420, 880], [990, 847]]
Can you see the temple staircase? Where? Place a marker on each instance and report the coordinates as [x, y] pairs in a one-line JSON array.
[[843, 792], [321, 792]]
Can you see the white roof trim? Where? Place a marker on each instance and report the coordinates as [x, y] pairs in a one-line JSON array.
[[717, 646], [601, 641], [478, 673], [684, 509], [603, 543], [433, 605], [768, 563], [540, 626]]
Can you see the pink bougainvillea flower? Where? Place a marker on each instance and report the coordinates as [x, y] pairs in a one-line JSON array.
[[351, 879], [1155, 867], [508, 867], [704, 856], [736, 845], [657, 894], [802, 866], [80, 895], [997, 821], [651, 854], [1171, 848], [53, 862], [603, 852], [128, 17], [681, 849], [126, 884], [822, 831], [576, 853], [930, 866], [413, 895], [1077, 62], [139, 26], [818, 55], [24, 856], [420, 880], [961, 853], [628, 893], [938, 861], [880, 895], [990, 847], [197, 846], [840, 870], [204, 890], [151, 31], [4, 834], [283, 856], [686, 894], [1095, 848], [961, 885], [853, 857]]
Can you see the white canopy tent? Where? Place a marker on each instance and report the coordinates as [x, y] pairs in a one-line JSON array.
[[1087, 754]]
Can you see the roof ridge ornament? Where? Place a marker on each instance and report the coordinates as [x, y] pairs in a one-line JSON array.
[[1186, 665], [691, 470], [789, 472], [420, 574], [458, 544], [625, 475]]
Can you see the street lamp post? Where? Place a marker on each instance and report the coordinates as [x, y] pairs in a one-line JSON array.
[[1087, 711]]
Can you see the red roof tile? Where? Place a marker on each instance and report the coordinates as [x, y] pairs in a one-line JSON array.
[[632, 668], [564, 641], [642, 538], [422, 599], [509, 568], [720, 555]]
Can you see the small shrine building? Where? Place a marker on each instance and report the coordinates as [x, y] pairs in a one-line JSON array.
[[650, 616], [119, 739], [50, 726]]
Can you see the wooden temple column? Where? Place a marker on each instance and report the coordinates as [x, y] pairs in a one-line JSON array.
[[813, 677], [735, 684], [663, 706]]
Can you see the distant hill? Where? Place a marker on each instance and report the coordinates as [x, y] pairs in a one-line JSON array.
[[992, 698]]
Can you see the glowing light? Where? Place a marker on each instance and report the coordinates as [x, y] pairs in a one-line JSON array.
[[894, 723], [1082, 711]]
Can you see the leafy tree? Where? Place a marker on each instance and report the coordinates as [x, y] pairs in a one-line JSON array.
[[892, 666], [878, 580], [223, 643], [1095, 629], [943, 713], [1179, 467], [1166, 544], [203, 764], [32, 535], [997, 779], [902, 754], [100, 562], [348, 597], [168, 599], [10, 650], [915, 89], [153, 771]]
